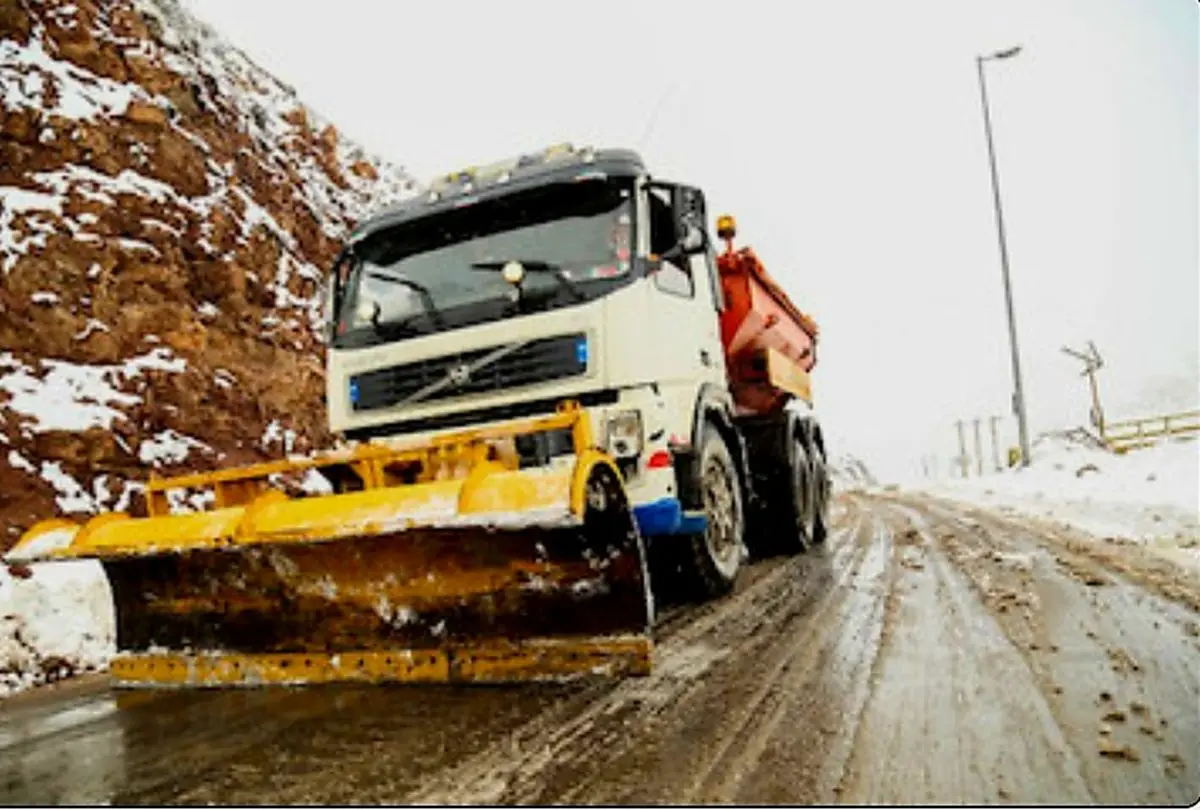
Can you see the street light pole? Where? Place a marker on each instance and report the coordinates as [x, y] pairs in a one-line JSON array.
[[1018, 393]]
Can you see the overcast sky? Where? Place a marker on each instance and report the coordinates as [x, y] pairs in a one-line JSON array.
[[847, 138]]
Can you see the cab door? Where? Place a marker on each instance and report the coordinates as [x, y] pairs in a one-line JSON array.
[[685, 302]]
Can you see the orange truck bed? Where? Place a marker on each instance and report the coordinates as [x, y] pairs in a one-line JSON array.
[[767, 339]]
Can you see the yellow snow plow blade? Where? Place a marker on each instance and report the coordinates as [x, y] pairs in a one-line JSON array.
[[451, 561]]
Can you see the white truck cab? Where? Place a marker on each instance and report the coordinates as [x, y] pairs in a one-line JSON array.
[[501, 292]]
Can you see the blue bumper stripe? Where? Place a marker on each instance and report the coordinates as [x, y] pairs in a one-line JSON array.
[[666, 516]]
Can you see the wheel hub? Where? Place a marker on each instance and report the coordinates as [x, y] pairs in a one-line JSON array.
[[721, 534]]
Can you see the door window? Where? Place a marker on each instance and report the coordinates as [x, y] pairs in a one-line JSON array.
[[674, 276]]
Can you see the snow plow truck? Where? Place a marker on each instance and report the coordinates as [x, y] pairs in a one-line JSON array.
[[545, 371]]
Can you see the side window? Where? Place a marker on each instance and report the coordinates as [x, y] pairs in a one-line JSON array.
[[672, 277]]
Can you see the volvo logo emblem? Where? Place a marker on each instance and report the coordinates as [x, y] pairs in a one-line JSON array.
[[460, 375]]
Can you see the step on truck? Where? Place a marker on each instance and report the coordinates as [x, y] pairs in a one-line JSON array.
[[547, 373]]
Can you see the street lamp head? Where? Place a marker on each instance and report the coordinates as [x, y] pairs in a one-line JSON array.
[[1006, 54]]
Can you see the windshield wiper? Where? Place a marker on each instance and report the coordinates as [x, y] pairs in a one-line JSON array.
[[420, 289], [537, 266]]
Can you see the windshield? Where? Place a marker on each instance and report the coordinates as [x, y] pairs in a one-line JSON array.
[[574, 240]]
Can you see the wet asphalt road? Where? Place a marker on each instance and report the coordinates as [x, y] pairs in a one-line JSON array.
[[927, 653]]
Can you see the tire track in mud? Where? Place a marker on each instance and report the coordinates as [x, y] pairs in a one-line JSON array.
[[820, 686], [374, 748], [640, 723], [769, 691], [700, 749], [1114, 661], [956, 715]]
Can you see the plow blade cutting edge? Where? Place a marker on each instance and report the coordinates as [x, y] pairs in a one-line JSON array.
[[452, 561]]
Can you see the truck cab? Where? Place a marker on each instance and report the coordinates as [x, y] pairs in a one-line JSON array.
[[571, 274]]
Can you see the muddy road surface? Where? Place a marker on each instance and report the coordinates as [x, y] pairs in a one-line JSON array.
[[927, 653]]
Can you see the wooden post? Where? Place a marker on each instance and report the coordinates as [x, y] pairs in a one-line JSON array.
[[1097, 411], [963, 461], [978, 449], [995, 420], [1092, 362]]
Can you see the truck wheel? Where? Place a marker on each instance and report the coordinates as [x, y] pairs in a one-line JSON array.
[[792, 510], [821, 495], [715, 557]]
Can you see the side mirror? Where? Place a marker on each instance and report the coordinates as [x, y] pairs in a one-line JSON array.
[[688, 204], [691, 242]]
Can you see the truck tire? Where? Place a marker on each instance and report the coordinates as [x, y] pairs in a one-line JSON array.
[[790, 506], [821, 496], [715, 557]]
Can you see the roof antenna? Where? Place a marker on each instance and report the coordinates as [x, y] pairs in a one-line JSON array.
[[652, 119]]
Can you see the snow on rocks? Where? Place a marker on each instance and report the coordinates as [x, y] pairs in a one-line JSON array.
[[93, 325], [270, 113], [168, 447], [72, 497], [32, 206], [75, 396], [276, 435], [29, 75], [19, 462]]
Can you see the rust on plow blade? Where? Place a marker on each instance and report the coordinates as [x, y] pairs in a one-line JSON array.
[[491, 573]]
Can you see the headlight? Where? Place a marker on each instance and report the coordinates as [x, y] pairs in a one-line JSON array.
[[624, 434]]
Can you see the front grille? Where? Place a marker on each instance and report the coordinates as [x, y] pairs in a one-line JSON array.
[[495, 413], [535, 362]]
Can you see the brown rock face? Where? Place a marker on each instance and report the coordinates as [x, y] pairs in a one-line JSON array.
[[139, 112], [167, 216]]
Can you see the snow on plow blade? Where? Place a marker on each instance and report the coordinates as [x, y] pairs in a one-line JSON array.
[[452, 561]]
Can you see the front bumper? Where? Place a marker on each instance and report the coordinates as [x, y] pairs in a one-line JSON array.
[[666, 516]]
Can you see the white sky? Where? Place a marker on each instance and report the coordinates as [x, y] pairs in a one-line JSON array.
[[847, 138]]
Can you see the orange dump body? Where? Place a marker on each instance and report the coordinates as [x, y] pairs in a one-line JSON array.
[[759, 316]]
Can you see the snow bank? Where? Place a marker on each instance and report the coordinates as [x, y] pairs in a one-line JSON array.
[[1150, 495], [54, 622]]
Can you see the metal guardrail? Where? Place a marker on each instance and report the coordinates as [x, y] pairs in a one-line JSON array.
[[1134, 433]]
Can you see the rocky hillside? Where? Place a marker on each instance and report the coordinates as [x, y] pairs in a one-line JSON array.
[[167, 213]]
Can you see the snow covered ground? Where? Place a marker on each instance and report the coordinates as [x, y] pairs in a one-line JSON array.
[[56, 620], [1151, 496]]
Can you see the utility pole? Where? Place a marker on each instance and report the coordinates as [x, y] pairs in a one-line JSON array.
[[995, 420], [1092, 362], [963, 461], [1018, 393]]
